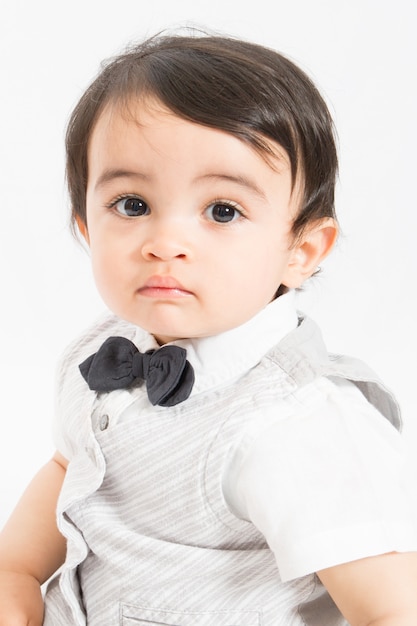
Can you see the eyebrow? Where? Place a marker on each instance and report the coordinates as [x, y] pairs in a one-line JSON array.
[[111, 174], [242, 181]]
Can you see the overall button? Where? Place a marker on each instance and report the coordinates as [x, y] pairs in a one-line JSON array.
[[104, 422]]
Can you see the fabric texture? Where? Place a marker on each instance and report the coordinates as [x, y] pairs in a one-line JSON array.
[[157, 505]]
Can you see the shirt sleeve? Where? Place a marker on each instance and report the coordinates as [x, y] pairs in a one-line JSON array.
[[326, 483]]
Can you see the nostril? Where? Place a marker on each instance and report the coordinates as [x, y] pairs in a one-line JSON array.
[[165, 249], [164, 255]]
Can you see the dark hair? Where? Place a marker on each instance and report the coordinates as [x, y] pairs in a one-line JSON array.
[[242, 88]]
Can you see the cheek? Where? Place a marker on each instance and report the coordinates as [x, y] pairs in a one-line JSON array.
[[106, 270], [253, 272], [267, 261]]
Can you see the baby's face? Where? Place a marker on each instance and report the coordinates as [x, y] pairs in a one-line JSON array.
[[189, 228]]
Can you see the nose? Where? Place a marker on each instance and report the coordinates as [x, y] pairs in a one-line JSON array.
[[167, 241]]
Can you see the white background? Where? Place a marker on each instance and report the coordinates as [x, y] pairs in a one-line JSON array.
[[362, 55]]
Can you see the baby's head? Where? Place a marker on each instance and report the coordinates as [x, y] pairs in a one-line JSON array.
[[201, 172], [242, 88]]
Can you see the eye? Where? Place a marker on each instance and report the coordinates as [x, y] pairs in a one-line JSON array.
[[131, 207], [223, 212]]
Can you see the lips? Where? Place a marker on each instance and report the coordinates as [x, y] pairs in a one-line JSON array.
[[165, 286]]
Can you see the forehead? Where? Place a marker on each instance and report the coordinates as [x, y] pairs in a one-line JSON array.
[[139, 125], [148, 149]]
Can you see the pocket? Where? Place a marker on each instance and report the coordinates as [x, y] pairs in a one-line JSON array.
[[133, 615]]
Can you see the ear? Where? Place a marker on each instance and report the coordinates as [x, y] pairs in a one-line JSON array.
[[314, 245], [82, 227]]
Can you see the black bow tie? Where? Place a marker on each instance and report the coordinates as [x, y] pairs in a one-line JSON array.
[[118, 364]]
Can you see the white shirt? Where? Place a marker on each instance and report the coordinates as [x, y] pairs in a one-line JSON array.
[[322, 478]]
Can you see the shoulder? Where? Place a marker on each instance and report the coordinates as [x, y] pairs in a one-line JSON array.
[[91, 339], [304, 358], [104, 326]]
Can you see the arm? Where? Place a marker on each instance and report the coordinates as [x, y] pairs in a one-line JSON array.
[[376, 591], [31, 547]]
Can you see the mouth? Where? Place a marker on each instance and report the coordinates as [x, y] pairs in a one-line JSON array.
[[163, 287]]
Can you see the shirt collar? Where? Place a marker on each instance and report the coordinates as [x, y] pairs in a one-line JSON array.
[[219, 359]]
